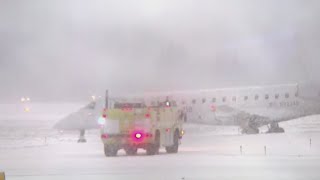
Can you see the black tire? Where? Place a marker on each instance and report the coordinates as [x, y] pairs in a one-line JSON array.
[[281, 130], [278, 130], [82, 141], [110, 150], [153, 149], [130, 151], [175, 147]]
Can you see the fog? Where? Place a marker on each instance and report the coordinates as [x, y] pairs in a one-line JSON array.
[[70, 49]]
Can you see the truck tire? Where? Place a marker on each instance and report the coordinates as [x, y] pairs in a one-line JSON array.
[[277, 130], [281, 130], [131, 151], [110, 150], [82, 141], [153, 149], [174, 148]]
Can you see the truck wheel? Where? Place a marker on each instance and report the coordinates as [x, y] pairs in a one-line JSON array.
[[281, 130], [175, 147], [131, 151], [153, 149], [110, 150]]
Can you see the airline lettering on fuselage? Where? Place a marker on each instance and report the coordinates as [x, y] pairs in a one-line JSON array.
[[284, 104], [289, 104]]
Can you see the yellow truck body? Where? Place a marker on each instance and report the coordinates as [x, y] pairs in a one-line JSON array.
[[148, 128]]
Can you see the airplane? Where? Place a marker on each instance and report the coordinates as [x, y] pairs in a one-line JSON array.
[[247, 107]]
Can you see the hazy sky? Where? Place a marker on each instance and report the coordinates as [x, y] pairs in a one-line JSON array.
[[70, 49]]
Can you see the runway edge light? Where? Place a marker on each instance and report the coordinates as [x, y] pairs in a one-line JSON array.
[[2, 176]]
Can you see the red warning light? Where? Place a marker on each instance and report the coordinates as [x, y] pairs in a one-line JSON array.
[[213, 108], [104, 136], [147, 115], [138, 135]]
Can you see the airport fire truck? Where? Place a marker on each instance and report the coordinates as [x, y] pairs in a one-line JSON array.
[[131, 125]]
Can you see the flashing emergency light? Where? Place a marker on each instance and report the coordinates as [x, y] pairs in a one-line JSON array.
[[138, 135], [182, 132], [27, 99], [93, 97], [104, 136], [147, 115], [167, 103], [23, 99], [101, 121]]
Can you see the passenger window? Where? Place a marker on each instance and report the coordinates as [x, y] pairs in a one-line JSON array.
[[276, 96], [256, 97], [246, 98], [194, 101], [214, 100], [267, 96], [203, 100], [224, 99], [287, 95]]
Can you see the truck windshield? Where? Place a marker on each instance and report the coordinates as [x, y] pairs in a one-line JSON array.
[[128, 105]]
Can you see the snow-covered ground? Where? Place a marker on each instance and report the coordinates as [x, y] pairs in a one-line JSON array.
[[31, 149], [28, 129]]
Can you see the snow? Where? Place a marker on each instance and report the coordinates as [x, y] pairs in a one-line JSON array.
[[21, 129], [31, 149]]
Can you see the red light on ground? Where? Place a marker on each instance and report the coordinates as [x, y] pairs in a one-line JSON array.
[[168, 130], [104, 116]]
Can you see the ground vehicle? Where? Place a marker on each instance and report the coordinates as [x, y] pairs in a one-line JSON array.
[[132, 125], [274, 128]]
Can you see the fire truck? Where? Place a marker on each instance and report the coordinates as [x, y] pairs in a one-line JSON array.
[[131, 125]]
